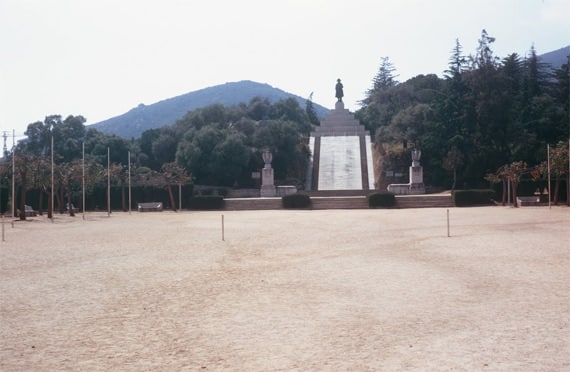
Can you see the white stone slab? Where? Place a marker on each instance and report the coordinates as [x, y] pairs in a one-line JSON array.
[[339, 163], [369, 162]]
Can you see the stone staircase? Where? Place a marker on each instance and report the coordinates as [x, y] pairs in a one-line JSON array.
[[322, 200], [251, 204], [424, 201], [339, 202]]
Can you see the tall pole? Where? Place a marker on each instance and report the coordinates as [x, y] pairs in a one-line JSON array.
[[51, 195], [129, 182], [83, 178], [548, 166], [108, 181], [13, 173]]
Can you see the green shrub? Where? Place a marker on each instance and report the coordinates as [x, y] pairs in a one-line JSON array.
[[465, 198], [381, 199], [206, 202], [296, 201]]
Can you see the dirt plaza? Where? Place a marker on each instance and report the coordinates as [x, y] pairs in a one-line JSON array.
[[286, 290]]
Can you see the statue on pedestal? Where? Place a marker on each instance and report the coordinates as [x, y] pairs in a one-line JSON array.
[[339, 92]]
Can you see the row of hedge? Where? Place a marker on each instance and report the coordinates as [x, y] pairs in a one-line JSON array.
[[466, 198]]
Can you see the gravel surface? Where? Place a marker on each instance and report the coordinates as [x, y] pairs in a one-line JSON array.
[[331, 290]]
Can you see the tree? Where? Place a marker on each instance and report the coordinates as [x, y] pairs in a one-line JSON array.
[[452, 161], [172, 174], [164, 147], [71, 178], [281, 138], [230, 159], [499, 176], [514, 173], [385, 77], [22, 175], [558, 168], [310, 110], [484, 58], [146, 157]]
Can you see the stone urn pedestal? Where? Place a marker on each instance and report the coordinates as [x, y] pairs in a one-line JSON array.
[[267, 178]]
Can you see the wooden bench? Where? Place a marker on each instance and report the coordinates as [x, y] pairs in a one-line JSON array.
[[150, 207], [523, 201]]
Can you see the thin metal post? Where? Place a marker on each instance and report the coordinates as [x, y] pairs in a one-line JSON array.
[[52, 204], [548, 166], [129, 159], [448, 235], [13, 173], [108, 181], [83, 178], [223, 237]]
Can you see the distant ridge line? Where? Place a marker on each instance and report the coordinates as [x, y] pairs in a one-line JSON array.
[[167, 111]]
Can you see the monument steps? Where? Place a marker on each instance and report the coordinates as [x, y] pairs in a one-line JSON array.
[[247, 204], [341, 202], [424, 201]]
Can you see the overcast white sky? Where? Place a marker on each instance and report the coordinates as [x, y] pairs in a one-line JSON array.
[[100, 58]]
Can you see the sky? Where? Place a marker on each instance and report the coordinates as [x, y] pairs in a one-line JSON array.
[[100, 58]]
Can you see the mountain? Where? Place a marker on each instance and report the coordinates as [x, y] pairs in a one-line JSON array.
[[143, 117], [556, 58]]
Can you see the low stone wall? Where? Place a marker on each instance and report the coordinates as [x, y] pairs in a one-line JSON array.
[[254, 193], [407, 188], [243, 193], [285, 190]]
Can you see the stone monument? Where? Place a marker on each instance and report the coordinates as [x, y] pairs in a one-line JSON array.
[[416, 184], [341, 152], [267, 177]]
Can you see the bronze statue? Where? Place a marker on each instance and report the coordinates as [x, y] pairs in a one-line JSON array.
[[339, 93]]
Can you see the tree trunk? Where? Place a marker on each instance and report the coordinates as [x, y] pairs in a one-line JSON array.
[[50, 206], [171, 195], [515, 186], [504, 198], [556, 189]]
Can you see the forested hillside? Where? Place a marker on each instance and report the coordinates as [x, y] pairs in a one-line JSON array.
[[487, 111], [166, 112]]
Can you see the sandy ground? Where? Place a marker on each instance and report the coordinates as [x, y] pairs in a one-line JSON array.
[[333, 290]]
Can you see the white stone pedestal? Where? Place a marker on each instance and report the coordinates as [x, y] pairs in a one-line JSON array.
[[267, 178], [417, 180], [267, 186]]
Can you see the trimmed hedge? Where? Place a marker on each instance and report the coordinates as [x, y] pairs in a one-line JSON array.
[[206, 202], [296, 201], [465, 198], [381, 199]]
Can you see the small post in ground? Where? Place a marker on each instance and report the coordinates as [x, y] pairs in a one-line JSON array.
[[448, 235]]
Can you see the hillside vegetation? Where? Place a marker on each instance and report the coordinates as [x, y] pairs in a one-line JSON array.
[[166, 112]]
